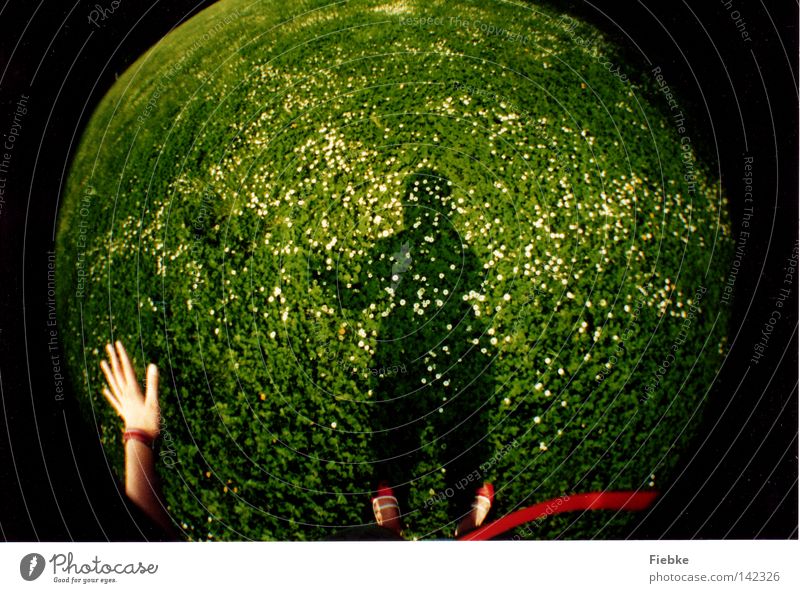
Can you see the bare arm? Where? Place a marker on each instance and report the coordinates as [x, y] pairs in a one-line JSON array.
[[141, 415], [141, 484]]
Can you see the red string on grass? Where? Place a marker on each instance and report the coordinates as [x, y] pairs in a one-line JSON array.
[[627, 500]]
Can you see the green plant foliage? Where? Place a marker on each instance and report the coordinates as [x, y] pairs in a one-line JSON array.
[[439, 241]]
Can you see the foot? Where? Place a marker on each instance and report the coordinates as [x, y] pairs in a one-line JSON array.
[[386, 509], [484, 496]]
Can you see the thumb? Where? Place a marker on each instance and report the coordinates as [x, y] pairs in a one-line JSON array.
[[151, 388]]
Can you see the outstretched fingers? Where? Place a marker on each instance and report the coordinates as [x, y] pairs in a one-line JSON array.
[[116, 369], [110, 378], [151, 387], [127, 367], [113, 401]]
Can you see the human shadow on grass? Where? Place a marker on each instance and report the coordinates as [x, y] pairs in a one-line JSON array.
[[429, 378]]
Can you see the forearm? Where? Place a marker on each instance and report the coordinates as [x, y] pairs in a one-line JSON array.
[[141, 483]]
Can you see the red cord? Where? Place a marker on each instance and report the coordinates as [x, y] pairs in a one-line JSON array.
[[628, 500], [140, 435]]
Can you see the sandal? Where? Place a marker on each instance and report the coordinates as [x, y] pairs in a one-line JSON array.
[[385, 499], [484, 496]]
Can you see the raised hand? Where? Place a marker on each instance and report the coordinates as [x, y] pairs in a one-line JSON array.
[[137, 410]]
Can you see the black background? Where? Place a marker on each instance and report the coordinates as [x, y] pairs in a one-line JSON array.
[[739, 481]]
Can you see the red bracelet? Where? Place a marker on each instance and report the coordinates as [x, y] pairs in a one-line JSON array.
[[138, 435]]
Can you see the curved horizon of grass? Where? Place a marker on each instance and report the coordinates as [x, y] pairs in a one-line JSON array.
[[326, 221]]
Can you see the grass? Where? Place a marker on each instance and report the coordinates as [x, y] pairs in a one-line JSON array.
[[358, 243]]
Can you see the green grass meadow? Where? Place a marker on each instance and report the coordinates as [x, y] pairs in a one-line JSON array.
[[439, 241]]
